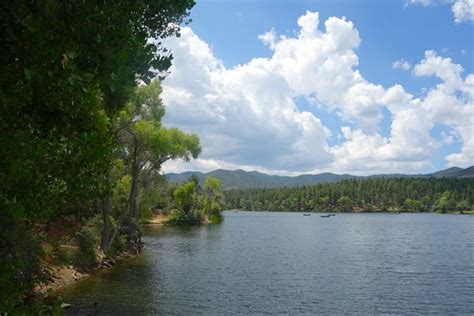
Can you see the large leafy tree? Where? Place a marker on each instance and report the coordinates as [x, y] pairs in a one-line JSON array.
[[67, 68], [145, 144]]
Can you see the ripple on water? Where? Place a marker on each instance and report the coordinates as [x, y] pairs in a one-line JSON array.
[[266, 263]]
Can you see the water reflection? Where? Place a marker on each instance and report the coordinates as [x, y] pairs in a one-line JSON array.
[[287, 263]]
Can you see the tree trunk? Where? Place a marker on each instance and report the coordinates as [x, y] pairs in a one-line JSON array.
[[134, 188], [133, 191], [117, 228], [104, 245]]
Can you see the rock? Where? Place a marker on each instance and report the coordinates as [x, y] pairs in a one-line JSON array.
[[76, 275], [65, 305]]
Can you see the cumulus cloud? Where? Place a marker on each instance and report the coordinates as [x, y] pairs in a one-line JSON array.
[[410, 145], [401, 64], [463, 10], [451, 103], [247, 112], [247, 116]]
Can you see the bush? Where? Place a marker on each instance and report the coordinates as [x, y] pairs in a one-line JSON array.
[[145, 214], [68, 256], [463, 205], [178, 217], [86, 240], [119, 245], [216, 218], [215, 213], [20, 266], [198, 216]]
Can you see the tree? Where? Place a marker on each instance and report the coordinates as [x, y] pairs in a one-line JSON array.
[[413, 205], [213, 197], [345, 203], [71, 66], [411, 194], [445, 203], [145, 144], [185, 196], [463, 205]]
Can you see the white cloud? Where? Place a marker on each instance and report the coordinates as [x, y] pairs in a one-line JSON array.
[[247, 118], [424, 3], [446, 138], [463, 11], [244, 115], [451, 103], [410, 144], [401, 64], [443, 68], [268, 38]]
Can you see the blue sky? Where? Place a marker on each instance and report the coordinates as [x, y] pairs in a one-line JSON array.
[[390, 30], [225, 34]]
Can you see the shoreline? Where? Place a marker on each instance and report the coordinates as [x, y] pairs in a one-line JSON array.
[[61, 276], [354, 212]]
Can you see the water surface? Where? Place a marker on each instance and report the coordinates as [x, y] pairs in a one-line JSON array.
[[259, 262]]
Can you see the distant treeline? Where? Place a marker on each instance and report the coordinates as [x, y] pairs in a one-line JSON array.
[[383, 194]]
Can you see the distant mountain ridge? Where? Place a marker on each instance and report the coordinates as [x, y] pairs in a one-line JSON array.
[[254, 179]]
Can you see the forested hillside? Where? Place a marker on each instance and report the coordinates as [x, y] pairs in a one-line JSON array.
[[254, 179], [380, 194]]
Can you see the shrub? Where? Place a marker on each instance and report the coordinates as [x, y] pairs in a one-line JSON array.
[[178, 217], [463, 205], [86, 240], [198, 216], [215, 213], [119, 245], [145, 215], [20, 266], [66, 255]]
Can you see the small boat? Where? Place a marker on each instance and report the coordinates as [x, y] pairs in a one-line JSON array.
[[306, 214], [326, 215], [332, 214]]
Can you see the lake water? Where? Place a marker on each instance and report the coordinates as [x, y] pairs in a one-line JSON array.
[[260, 263]]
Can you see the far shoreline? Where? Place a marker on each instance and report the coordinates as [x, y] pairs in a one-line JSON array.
[[355, 212]]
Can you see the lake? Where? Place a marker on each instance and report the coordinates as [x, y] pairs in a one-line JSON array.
[[261, 262]]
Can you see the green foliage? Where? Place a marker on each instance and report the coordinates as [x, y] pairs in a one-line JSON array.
[[119, 245], [410, 194], [87, 241], [178, 217], [88, 238], [215, 213], [212, 195], [66, 255], [185, 196], [413, 205], [445, 203], [345, 203], [72, 66], [196, 205], [463, 205], [20, 266]]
